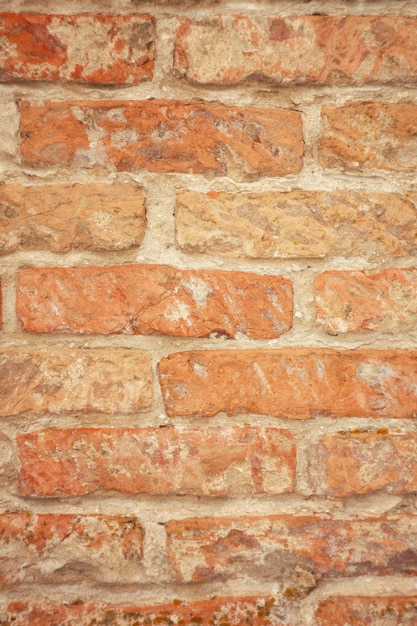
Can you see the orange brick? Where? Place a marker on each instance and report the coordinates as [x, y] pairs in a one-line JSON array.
[[291, 383], [359, 463], [369, 135], [70, 548], [63, 217], [204, 550], [361, 611], [163, 136], [307, 49], [60, 381], [154, 299], [356, 300], [87, 48]]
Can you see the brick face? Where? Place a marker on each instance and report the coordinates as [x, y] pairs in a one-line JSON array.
[[396, 611]]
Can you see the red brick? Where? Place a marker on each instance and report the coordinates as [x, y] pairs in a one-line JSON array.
[[64, 217], [153, 299], [60, 381], [70, 548], [270, 548], [356, 300], [87, 48], [230, 461], [256, 611], [369, 135], [363, 611], [359, 463], [308, 49], [163, 136], [292, 383]]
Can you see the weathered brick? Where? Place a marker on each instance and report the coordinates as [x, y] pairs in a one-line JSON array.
[[229, 461], [70, 548], [74, 381], [369, 135], [308, 49], [87, 48], [163, 136], [359, 463], [154, 299], [216, 549], [65, 217], [256, 611], [292, 383], [297, 224], [363, 611], [356, 300]]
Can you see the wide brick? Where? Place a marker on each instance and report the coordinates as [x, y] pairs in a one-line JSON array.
[[87, 48], [369, 135], [216, 549], [297, 224], [230, 461], [308, 49], [163, 136], [65, 217], [359, 463], [59, 381], [70, 548], [363, 611], [356, 300], [292, 383], [254, 611], [154, 299]]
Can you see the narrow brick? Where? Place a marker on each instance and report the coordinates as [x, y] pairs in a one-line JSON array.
[[204, 550], [154, 299], [256, 611], [291, 383], [87, 48], [359, 463], [356, 300], [163, 136], [369, 135], [64, 217], [307, 49], [231, 461], [60, 381], [70, 548], [362, 611], [297, 224]]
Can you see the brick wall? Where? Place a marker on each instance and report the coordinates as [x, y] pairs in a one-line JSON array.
[[208, 363]]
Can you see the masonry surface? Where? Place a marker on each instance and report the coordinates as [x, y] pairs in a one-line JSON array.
[[208, 344]]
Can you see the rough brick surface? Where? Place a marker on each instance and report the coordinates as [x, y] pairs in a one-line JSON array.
[[256, 611], [154, 299], [356, 300], [369, 135], [163, 136], [209, 549], [357, 611], [108, 49], [227, 461], [69, 381], [292, 383], [61, 548], [304, 49], [297, 224], [358, 463], [64, 217]]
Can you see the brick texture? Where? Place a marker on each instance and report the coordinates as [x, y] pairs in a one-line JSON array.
[[87, 48], [163, 136], [312, 49], [231, 461], [63, 217], [357, 611], [291, 383], [154, 299]]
